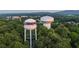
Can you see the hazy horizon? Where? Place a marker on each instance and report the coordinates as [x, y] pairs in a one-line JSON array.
[[27, 11]]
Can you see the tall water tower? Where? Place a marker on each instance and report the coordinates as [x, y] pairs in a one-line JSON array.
[[30, 24], [47, 20]]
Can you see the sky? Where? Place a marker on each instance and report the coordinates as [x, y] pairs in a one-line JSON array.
[[26, 11]]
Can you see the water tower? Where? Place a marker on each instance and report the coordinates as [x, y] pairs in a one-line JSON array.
[[47, 20], [30, 24]]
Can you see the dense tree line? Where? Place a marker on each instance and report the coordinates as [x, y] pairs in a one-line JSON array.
[[61, 35]]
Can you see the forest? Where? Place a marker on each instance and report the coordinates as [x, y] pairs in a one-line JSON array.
[[64, 33]]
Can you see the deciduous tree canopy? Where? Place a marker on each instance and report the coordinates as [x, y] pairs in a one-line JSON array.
[[63, 34]]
